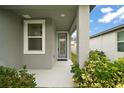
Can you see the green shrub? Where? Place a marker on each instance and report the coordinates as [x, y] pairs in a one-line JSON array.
[[73, 58], [99, 72], [12, 78]]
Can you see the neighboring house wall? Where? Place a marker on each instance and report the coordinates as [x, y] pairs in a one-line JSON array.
[[108, 44], [96, 43], [43, 61], [10, 28]]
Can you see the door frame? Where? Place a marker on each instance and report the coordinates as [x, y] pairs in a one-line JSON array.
[[67, 43]]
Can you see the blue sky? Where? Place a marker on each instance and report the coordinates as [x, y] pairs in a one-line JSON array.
[[104, 17]]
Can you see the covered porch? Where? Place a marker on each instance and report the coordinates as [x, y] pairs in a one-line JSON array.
[[60, 75], [50, 72]]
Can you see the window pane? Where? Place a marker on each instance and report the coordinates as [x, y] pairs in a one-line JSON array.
[[121, 36], [35, 44], [121, 47], [34, 29]]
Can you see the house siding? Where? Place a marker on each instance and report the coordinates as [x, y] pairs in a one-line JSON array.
[[10, 28], [43, 61], [108, 44]]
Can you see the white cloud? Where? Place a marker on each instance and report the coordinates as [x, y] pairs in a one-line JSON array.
[[122, 17], [106, 10], [109, 17]]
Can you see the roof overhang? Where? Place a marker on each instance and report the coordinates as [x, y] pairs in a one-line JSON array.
[[113, 29], [92, 7]]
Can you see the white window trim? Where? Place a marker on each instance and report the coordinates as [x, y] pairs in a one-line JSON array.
[[121, 41], [26, 51]]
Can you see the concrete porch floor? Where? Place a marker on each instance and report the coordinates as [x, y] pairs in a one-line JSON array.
[[58, 76]]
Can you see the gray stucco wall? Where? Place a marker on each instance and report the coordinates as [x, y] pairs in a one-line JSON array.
[[10, 27], [42, 61], [11, 43]]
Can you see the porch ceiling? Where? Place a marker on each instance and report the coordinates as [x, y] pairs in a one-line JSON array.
[[47, 11]]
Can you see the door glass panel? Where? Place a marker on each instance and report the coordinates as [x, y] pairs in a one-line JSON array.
[[34, 29], [62, 45], [35, 44]]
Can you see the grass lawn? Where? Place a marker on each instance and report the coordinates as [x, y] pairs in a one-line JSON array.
[[73, 57]]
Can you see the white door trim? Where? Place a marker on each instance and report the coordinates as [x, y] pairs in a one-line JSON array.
[[67, 43]]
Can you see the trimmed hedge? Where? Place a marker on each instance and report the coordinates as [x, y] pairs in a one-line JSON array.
[[99, 72], [12, 78]]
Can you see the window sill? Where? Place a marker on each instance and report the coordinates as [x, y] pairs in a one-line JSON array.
[[120, 51], [34, 52]]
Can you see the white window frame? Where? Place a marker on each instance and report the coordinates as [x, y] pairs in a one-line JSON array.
[[26, 22], [122, 41]]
